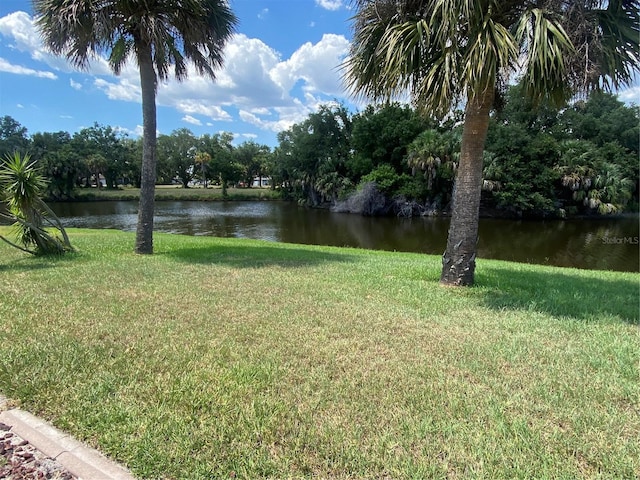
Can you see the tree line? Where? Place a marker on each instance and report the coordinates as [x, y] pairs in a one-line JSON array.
[[100, 156], [538, 161]]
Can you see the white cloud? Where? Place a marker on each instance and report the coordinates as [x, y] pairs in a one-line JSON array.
[[123, 90], [316, 65], [263, 13], [191, 120], [330, 4], [271, 93], [261, 111], [214, 112], [630, 95], [7, 67], [19, 105], [19, 25]]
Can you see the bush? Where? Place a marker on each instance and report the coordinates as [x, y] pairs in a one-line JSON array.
[[385, 178]]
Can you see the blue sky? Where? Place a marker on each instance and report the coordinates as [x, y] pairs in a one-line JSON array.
[[279, 67]]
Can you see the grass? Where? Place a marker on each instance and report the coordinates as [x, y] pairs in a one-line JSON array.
[[228, 358], [177, 193]]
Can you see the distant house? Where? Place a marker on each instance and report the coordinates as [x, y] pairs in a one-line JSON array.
[[261, 182]]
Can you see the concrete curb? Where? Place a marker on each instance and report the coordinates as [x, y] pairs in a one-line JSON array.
[[81, 461]]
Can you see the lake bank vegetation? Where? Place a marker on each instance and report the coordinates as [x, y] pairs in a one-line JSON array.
[[220, 358], [385, 160]]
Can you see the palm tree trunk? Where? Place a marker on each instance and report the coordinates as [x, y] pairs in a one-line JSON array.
[[144, 230], [459, 259]]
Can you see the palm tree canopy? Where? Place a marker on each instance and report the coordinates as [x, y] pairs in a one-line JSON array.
[[441, 51], [175, 30]]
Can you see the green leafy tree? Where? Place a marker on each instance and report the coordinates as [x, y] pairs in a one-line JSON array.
[[13, 137], [160, 35], [612, 128], [601, 119], [435, 154], [132, 161], [519, 170], [381, 135], [102, 149], [176, 156], [443, 52], [22, 187], [58, 161], [313, 151], [96, 164], [252, 156], [222, 163]]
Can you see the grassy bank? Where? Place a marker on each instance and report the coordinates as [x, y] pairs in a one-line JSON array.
[[171, 192], [217, 358]]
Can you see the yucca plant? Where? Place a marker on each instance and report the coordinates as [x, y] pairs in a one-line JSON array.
[[22, 187]]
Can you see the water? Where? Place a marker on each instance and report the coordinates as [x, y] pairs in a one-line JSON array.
[[603, 244]]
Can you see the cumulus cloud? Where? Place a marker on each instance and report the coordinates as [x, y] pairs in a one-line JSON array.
[[122, 90], [21, 29], [192, 106], [269, 92], [332, 5], [316, 65], [191, 120], [7, 67], [630, 95]]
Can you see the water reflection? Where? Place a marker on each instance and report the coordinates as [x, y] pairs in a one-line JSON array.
[[606, 244]]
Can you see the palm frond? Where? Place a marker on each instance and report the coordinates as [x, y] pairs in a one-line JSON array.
[[545, 45], [175, 30]]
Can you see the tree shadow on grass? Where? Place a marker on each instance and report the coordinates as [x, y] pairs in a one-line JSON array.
[[22, 266], [29, 263], [256, 256], [586, 296]]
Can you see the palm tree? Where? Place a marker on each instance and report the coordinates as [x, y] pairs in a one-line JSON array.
[[202, 159], [445, 52], [159, 34]]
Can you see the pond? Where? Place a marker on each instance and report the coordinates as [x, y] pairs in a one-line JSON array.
[[602, 244]]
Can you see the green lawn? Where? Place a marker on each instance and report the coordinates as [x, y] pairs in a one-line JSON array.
[[172, 192], [223, 358]]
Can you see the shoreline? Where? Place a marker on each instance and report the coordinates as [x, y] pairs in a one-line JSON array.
[[176, 194]]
